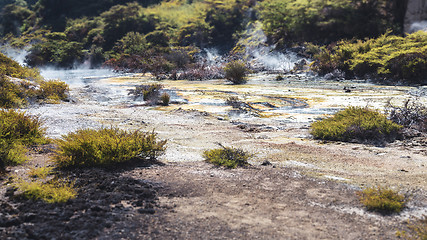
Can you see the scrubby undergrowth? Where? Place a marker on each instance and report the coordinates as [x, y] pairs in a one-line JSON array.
[[386, 57], [382, 200], [356, 124], [227, 157], [18, 130], [107, 146]]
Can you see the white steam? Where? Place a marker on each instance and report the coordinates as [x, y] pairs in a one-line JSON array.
[[417, 26]]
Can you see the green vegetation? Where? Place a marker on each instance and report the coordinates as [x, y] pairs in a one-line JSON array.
[[41, 172], [11, 68], [355, 123], [106, 146], [53, 90], [20, 85], [18, 130], [227, 157], [391, 57], [325, 21], [236, 72], [417, 230], [54, 190], [382, 200]]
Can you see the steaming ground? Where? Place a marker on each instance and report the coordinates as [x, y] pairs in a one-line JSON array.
[[307, 192]]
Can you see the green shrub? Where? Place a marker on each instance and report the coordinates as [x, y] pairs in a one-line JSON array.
[[40, 172], [236, 72], [11, 68], [382, 200], [53, 90], [53, 191], [18, 130], [149, 92], [164, 99], [227, 157], [106, 146], [388, 56], [321, 21], [356, 123]]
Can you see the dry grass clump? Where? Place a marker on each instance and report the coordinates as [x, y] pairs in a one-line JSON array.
[[106, 146], [383, 200], [227, 157], [356, 124]]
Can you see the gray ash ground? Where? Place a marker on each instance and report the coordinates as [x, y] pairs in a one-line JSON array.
[[105, 199]]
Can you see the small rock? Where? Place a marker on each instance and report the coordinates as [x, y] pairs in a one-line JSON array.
[[146, 211]]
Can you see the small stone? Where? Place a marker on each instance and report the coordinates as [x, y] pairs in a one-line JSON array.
[[146, 211]]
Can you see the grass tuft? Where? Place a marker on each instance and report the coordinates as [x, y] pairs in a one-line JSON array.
[[106, 146], [383, 200], [53, 191], [227, 157]]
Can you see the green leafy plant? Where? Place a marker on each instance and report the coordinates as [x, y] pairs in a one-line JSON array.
[[236, 72], [53, 90], [227, 157], [388, 56], [149, 92], [356, 123], [382, 200], [106, 146], [52, 191], [40, 172], [18, 130]]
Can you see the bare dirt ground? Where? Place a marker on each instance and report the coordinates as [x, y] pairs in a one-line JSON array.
[[308, 191]]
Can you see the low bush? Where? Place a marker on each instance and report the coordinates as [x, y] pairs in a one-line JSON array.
[[356, 124], [19, 127], [53, 90], [52, 191], [150, 92], [17, 93], [411, 115], [227, 157], [382, 200], [18, 130], [386, 57], [164, 99], [41, 172], [106, 146], [236, 72]]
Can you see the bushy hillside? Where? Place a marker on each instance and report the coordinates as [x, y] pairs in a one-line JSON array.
[[163, 36]]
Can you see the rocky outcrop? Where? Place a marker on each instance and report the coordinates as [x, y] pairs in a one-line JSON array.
[[416, 16]]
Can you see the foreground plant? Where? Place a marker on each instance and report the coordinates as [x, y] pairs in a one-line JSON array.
[[53, 190], [383, 200], [18, 130], [356, 123], [227, 157], [106, 146]]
